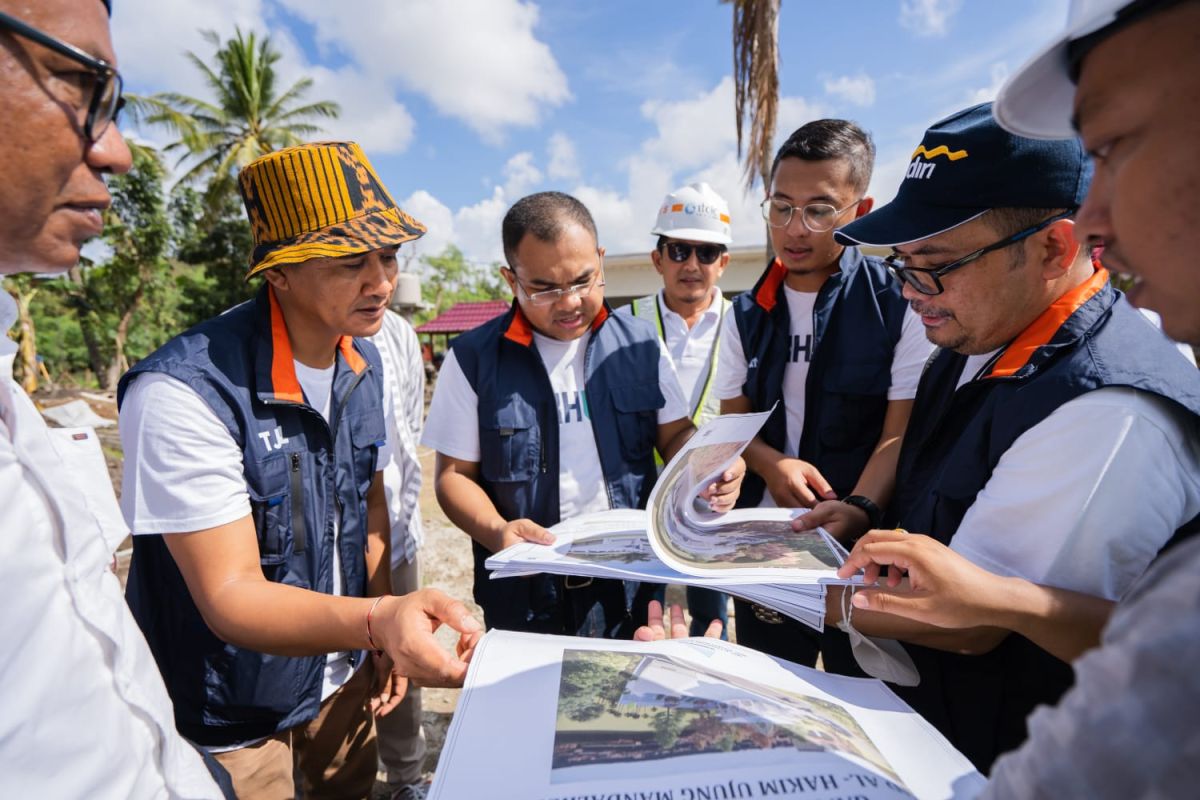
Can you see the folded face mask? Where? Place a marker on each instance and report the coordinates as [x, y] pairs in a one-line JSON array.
[[885, 659]]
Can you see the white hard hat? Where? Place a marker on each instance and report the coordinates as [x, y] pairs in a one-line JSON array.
[[1037, 100], [695, 213]]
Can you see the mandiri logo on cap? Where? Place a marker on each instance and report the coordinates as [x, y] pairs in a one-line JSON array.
[[923, 169]]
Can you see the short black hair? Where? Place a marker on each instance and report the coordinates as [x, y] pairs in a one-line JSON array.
[[825, 139], [543, 215], [1008, 221]]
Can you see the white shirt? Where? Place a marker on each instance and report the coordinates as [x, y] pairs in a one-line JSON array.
[[690, 348], [908, 361], [181, 478], [404, 382], [86, 713], [1084, 499], [452, 427]]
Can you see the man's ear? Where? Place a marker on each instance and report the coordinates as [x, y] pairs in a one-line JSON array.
[[277, 277], [864, 207], [510, 278], [656, 257], [1059, 249]]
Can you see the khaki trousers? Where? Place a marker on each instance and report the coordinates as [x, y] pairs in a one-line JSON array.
[[333, 756]]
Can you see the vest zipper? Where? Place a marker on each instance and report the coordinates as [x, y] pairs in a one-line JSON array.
[[299, 527]]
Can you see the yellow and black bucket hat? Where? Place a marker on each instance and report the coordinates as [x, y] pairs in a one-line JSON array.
[[320, 200]]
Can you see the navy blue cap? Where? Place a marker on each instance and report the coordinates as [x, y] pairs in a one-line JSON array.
[[108, 5], [966, 165]]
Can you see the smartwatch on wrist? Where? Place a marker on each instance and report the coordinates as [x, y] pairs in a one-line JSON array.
[[874, 515]]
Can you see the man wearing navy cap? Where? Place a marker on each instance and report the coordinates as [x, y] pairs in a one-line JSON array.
[[1125, 76], [1053, 436]]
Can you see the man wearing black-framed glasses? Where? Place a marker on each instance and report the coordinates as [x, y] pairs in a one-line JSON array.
[[1051, 418], [87, 714]]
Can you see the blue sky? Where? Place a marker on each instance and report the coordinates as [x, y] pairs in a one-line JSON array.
[[466, 105]]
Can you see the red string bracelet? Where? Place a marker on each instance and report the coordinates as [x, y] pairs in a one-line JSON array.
[[370, 638]]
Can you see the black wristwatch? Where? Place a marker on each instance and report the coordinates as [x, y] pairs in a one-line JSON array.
[[874, 515]]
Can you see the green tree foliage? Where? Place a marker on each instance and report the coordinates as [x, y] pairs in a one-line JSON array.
[[125, 306], [249, 114], [448, 278], [218, 246], [593, 683]]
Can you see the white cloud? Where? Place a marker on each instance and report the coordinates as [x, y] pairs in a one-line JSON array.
[[928, 18], [478, 61], [563, 160], [437, 218], [370, 114], [520, 174], [857, 90], [999, 73], [477, 228], [692, 132], [151, 37]]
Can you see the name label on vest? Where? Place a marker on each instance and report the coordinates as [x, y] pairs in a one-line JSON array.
[[280, 439]]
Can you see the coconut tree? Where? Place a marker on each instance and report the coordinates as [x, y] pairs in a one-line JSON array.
[[248, 114], [756, 82]]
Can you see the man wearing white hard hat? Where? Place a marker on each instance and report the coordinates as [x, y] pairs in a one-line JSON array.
[[1125, 76], [691, 255], [825, 338]]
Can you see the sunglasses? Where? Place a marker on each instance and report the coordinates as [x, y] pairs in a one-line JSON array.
[[106, 99], [706, 254]]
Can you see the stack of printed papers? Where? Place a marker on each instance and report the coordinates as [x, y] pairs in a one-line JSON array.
[[560, 718], [589, 546], [751, 553]]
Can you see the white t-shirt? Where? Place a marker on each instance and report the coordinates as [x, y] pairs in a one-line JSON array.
[[911, 353], [180, 478], [690, 348], [1084, 499], [452, 425]]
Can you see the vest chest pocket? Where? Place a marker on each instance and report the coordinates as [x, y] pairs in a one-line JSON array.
[[637, 406], [854, 403], [368, 435], [271, 503], [510, 444]]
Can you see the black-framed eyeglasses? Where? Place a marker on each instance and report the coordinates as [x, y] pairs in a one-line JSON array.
[[106, 99], [548, 297], [706, 254], [817, 217], [928, 280]]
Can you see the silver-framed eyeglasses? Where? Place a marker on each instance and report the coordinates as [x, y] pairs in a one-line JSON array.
[[547, 297], [817, 217], [102, 100], [928, 280]]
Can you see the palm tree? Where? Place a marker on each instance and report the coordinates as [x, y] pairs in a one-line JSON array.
[[756, 81], [248, 116]]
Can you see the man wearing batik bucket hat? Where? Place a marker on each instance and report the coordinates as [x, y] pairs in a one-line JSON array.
[[260, 574], [1054, 416]]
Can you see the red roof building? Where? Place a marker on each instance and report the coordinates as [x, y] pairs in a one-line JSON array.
[[459, 318], [465, 316]]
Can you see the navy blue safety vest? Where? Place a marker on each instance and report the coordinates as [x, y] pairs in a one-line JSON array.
[[301, 475], [518, 440], [1089, 339], [857, 320]]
